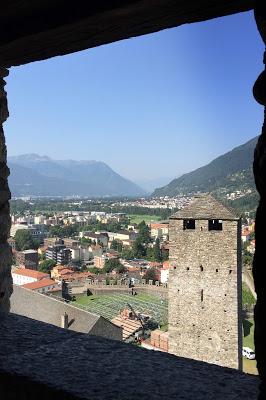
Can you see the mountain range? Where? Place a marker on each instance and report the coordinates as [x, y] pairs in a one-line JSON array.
[[35, 175], [227, 173]]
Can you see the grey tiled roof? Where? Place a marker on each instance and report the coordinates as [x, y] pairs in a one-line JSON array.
[[205, 206], [44, 308]]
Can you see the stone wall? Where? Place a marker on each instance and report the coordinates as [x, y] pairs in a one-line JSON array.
[[5, 222], [99, 289], [40, 361], [205, 293]]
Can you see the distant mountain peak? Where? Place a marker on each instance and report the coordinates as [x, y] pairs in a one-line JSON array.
[[34, 157], [227, 173], [32, 174]]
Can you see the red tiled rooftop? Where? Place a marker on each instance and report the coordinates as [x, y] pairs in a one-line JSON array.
[[31, 273], [66, 271], [39, 284], [166, 265]]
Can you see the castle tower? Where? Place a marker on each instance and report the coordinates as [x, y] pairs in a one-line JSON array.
[[205, 290]]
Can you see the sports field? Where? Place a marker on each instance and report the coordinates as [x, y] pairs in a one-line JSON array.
[[136, 219], [110, 305]]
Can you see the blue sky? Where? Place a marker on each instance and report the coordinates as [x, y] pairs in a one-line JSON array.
[[157, 105]]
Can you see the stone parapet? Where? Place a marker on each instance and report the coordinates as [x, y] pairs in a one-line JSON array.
[[40, 361]]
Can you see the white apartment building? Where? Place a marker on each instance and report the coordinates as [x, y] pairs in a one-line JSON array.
[[16, 227], [23, 276], [81, 253]]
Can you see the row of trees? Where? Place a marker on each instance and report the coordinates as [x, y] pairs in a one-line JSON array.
[[49, 206]]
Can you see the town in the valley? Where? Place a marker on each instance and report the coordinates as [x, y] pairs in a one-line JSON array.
[[110, 258]]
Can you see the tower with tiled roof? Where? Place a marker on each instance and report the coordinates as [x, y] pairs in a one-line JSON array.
[[205, 303]]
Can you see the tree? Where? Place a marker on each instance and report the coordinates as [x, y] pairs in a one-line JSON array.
[[116, 245], [165, 254], [150, 254], [79, 264], [94, 270], [113, 263], [150, 274], [24, 240], [36, 244], [157, 251], [127, 254], [56, 230], [47, 265], [144, 233], [84, 240], [138, 249]]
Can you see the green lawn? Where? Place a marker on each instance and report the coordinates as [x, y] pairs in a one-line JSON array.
[[247, 296], [249, 366], [136, 219]]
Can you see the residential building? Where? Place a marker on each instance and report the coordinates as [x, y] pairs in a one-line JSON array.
[[42, 286], [81, 253], [97, 237], [39, 219], [25, 275], [159, 230], [51, 241], [15, 227], [122, 236], [59, 253], [70, 243], [60, 270], [99, 261], [165, 272], [245, 235], [27, 259]]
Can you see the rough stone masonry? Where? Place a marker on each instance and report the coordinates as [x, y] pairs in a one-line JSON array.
[[205, 283], [5, 250]]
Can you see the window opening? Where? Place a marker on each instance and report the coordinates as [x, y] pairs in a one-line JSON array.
[[215, 225], [188, 224], [201, 295]]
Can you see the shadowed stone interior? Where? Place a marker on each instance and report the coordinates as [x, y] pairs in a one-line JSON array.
[[33, 31], [70, 365]]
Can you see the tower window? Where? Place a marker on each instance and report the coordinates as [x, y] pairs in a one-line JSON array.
[[215, 225], [188, 224], [201, 295], [201, 268]]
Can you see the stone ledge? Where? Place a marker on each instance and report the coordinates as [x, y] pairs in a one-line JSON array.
[[40, 361]]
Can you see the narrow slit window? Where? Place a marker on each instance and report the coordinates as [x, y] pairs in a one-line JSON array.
[[215, 225], [189, 224], [201, 295]]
